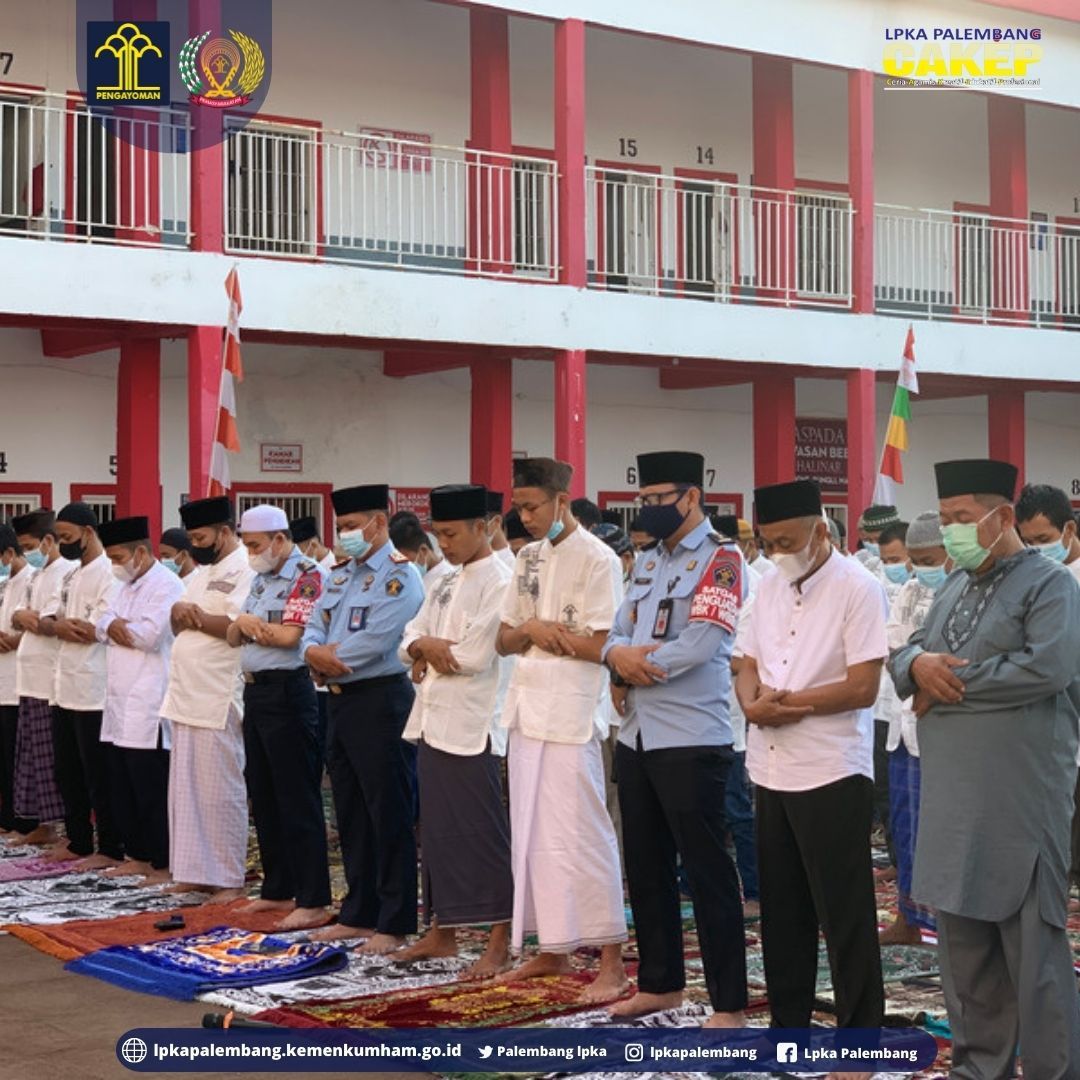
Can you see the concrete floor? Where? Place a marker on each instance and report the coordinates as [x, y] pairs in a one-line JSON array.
[[61, 1026]]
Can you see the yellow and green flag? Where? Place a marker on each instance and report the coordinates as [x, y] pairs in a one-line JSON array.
[[891, 472]]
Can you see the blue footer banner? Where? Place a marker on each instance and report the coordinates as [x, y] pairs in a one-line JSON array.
[[803, 1051]]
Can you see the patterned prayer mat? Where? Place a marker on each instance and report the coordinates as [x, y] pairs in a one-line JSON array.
[[184, 966], [70, 940], [457, 1005], [31, 866]]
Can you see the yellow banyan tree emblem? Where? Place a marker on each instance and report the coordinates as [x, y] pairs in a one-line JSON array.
[[220, 72], [128, 44]]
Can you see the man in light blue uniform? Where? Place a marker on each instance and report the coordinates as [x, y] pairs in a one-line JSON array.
[[670, 657], [283, 763], [351, 643]]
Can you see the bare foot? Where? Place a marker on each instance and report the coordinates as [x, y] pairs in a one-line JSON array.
[[188, 887], [751, 908], [607, 986], [128, 866], [341, 932], [224, 896], [726, 1020], [45, 835], [97, 862], [888, 874], [435, 943], [381, 944], [1074, 905], [60, 853], [900, 933], [254, 906], [641, 1004], [157, 877], [305, 918], [540, 965]]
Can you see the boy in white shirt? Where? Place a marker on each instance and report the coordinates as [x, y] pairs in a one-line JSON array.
[[558, 611]]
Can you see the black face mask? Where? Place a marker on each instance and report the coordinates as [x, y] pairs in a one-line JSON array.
[[72, 551], [204, 556]]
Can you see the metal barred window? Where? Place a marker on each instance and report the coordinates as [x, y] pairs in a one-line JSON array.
[[16, 506], [102, 505], [822, 244], [295, 506]]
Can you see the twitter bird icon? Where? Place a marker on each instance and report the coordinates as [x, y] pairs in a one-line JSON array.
[[485, 1052]]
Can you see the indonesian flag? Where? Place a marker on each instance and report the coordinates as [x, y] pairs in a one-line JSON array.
[[891, 472], [226, 439]]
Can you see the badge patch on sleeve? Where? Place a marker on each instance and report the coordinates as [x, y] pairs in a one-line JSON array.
[[718, 595], [394, 586]]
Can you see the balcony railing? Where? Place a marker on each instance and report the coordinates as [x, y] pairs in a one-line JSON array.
[[68, 174], [714, 240], [969, 266], [361, 198]]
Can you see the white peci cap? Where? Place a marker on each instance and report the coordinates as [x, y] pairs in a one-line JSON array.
[[264, 519]]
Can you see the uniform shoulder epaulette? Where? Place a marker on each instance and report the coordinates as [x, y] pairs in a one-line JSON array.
[[397, 557], [341, 565], [649, 547], [305, 566], [719, 540]]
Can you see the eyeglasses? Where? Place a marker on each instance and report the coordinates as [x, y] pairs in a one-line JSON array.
[[660, 498]]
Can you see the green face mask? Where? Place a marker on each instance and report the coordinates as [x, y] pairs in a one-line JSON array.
[[962, 543]]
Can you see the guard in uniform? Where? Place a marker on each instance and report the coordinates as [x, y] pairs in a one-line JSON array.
[[283, 764], [670, 657], [351, 643]]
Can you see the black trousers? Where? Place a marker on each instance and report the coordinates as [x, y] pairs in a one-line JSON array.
[[9, 727], [139, 788], [881, 785], [82, 774], [672, 804], [371, 772], [815, 870], [283, 770]]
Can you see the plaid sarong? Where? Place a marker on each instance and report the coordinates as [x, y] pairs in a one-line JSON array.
[[36, 792]]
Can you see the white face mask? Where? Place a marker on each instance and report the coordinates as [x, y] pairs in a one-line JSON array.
[[126, 572], [796, 564], [264, 562]]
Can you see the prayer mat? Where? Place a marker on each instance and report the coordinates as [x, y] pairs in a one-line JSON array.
[[185, 966], [456, 1005], [78, 896], [70, 940], [30, 867]]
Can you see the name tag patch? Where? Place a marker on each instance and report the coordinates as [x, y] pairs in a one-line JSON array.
[[357, 618]]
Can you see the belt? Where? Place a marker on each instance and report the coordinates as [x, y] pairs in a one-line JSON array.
[[276, 675], [359, 685]]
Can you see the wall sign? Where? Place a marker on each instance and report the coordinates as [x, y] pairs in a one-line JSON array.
[[821, 452], [409, 151], [414, 499], [281, 457]]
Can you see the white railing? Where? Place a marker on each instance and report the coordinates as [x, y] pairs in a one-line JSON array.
[[969, 266], [362, 198], [709, 239], [66, 173]]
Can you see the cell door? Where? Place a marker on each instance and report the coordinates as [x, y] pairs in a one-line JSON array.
[[630, 232]]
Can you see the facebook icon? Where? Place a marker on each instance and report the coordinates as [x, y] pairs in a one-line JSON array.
[[787, 1053]]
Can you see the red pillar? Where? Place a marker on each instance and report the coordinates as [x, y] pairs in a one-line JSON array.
[[570, 399], [862, 463], [1008, 199], [207, 160], [774, 429], [492, 421], [774, 167], [570, 149], [1005, 420], [861, 186], [490, 191], [138, 442]]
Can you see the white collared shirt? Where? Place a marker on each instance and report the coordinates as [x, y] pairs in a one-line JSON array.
[[805, 638], [507, 556], [907, 613], [137, 677], [453, 712], [16, 597], [80, 668], [577, 582], [204, 671], [435, 575], [738, 717], [35, 662]]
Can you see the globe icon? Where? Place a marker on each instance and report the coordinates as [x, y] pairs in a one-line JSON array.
[[133, 1050]]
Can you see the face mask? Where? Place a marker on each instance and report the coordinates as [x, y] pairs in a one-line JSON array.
[[204, 556], [796, 564], [662, 521], [1056, 551], [5, 571], [35, 558], [72, 551], [556, 530], [897, 573], [933, 577], [871, 548], [171, 564], [354, 543], [264, 562], [125, 572], [422, 567], [962, 543]]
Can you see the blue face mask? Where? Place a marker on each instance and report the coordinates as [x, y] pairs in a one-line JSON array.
[[354, 543], [5, 571], [1056, 551], [171, 564], [35, 558], [933, 577], [556, 529], [897, 573], [871, 548]]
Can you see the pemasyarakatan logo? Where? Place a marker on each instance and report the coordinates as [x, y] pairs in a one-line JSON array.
[[220, 72]]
